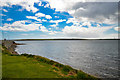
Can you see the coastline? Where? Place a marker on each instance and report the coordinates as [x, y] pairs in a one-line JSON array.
[[11, 45], [59, 39], [66, 68]]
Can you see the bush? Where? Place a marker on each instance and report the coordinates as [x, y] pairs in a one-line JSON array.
[[81, 75], [24, 54], [67, 68], [58, 65], [55, 69], [30, 55]]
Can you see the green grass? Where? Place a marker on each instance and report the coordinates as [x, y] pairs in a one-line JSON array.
[[0, 62], [32, 66], [23, 67]]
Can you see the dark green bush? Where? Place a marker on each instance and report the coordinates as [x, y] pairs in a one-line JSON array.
[[66, 68], [58, 65], [24, 54], [81, 75], [30, 55]]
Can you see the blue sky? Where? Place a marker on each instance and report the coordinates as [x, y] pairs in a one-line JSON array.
[[58, 19]]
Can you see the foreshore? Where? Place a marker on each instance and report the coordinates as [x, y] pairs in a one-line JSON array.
[[68, 71], [11, 45]]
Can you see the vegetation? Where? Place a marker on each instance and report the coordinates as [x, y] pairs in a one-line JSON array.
[[0, 62], [32, 66]]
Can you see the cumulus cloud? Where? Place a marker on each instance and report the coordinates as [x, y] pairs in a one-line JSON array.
[[43, 15], [57, 21], [92, 10], [85, 11], [53, 32], [96, 11], [26, 4], [20, 26], [55, 26], [44, 20], [43, 29], [9, 19], [2, 15], [48, 16], [64, 5], [117, 29], [5, 10], [56, 16], [83, 32], [33, 17], [88, 10], [74, 21], [40, 15]]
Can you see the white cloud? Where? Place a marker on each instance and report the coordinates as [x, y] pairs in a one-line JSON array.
[[71, 11], [44, 20], [57, 21], [26, 4], [50, 28], [40, 3], [9, 19], [60, 5], [47, 5], [117, 29], [43, 29], [40, 15], [74, 21], [110, 36], [48, 16], [33, 17], [55, 26], [53, 32], [2, 15], [43, 15], [64, 5], [82, 11], [56, 16], [82, 32], [20, 26], [5, 10]]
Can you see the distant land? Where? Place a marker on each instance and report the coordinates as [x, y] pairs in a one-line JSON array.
[[60, 39]]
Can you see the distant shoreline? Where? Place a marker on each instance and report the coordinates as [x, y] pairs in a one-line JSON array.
[[59, 39]]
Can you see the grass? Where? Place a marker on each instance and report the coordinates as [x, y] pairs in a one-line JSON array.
[[0, 62], [32, 66], [23, 67]]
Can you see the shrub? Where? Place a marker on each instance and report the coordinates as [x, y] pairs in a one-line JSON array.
[[58, 65], [30, 55], [81, 75], [67, 68], [24, 54]]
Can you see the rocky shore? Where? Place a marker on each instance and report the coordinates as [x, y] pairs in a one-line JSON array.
[[10, 45]]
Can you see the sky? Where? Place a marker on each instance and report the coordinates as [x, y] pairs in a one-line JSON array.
[[36, 19]]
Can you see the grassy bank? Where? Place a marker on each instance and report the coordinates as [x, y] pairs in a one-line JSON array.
[[32, 66]]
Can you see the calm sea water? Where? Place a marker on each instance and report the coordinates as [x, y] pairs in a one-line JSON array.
[[96, 57]]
